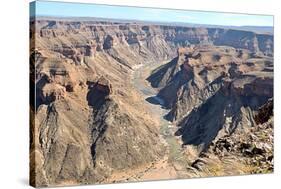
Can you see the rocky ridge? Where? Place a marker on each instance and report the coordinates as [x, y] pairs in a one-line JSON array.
[[251, 151]]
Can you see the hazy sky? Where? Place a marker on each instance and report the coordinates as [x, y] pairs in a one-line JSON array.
[[48, 8]]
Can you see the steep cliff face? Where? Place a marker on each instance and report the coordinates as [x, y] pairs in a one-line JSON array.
[[243, 39], [230, 108], [247, 150], [199, 72], [119, 134]]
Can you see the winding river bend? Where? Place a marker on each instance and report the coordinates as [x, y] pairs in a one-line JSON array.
[[173, 163]]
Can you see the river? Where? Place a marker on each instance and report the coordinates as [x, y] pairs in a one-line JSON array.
[[164, 168]]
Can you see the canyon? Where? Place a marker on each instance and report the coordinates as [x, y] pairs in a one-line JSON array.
[[126, 101]]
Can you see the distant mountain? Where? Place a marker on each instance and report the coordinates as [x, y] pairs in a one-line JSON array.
[[257, 29]]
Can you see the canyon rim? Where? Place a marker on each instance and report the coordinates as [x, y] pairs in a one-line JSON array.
[[148, 94]]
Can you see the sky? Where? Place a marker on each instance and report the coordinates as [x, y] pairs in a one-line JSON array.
[[62, 9]]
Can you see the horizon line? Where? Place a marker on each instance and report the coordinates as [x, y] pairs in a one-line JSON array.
[[138, 20]]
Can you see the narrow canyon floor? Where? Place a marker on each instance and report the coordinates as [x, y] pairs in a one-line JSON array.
[[170, 165]]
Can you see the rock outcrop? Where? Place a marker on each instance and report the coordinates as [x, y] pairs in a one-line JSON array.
[[255, 147], [200, 72]]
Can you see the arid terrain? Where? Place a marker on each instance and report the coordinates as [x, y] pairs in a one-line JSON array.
[[127, 101]]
